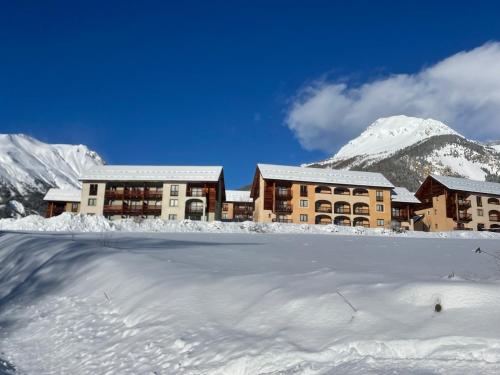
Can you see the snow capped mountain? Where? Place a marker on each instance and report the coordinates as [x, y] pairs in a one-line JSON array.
[[28, 168], [406, 149], [388, 135]]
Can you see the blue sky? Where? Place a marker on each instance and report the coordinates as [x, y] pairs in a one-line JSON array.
[[210, 82]]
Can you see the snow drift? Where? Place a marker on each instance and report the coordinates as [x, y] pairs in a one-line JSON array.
[[234, 304]]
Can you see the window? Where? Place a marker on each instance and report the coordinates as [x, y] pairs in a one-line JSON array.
[[304, 203], [74, 207], [174, 202], [436, 226], [380, 208], [303, 190], [379, 195], [225, 207], [92, 201], [196, 191], [93, 189], [303, 218], [174, 190], [480, 212], [380, 222], [172, 217], [435, 211], [479, 201], [224, 216]]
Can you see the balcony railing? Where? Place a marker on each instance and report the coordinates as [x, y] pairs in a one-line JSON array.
[[194, 211], [279, 220], [131, 210], [284, 195], [133, 194], [494, 218], [342, 210], [287, 208], [464, 203], [465, 217], [361, 211], [324, 209]]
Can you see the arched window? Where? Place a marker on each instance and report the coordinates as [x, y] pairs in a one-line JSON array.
[[341, 191], [323, 189], [493, 201], [323, 206], [342, 208], [360, 192], [342, 221], [494, 215], [323, 219], [361, 222], [361, 209]]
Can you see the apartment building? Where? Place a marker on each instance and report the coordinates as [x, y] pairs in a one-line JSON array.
[[403, 205], [167, 192], [62, 200], [321, 196], [238, 206], [451, 203]]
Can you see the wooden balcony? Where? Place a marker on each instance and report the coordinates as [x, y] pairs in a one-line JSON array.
[[464, 217], [242, 211], [133, 195], [284, 195], [283, 208], [324, 209], [279, 220], [131, 210], [494, 218], [194, 211], [463, 204], [195, 193], [361, 211], [343, 210]]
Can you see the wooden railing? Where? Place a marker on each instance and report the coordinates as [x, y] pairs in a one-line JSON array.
[[343, 210], [284, 195], [361, 211], [324, 209], [133, 194], [279, 220], [287, 208], [464, 203]]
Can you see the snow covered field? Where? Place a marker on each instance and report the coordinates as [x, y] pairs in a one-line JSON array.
[[247, 303]]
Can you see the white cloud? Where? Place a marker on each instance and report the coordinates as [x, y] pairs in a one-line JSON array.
[[462, 90]]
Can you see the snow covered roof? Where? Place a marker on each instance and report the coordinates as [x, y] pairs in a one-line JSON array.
[[320, 175], [238, 196], [151, 173], [403, 195], [63, 195], [471, 186]]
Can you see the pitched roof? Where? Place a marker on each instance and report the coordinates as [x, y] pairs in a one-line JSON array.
[[403, 195], [320, 175], [238, 196], [63, 195], [152, 173], [471, 186]]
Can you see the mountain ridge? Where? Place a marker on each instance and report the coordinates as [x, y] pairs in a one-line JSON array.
[[29, 167], [426, 146]]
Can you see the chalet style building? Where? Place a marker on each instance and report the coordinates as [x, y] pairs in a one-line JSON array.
[[403, 205], [301, 195], [167, 192], [238, 206], [62, 200], [451, 203]]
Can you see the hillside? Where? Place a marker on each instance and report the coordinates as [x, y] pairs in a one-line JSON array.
[[407, 149], [28, 168]]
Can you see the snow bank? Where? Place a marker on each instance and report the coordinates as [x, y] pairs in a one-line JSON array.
[[85, 223], [227, 304]]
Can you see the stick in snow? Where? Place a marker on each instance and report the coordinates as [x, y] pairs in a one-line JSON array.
[[346, 301]]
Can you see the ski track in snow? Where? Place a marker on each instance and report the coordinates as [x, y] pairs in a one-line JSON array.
[[247, 303]]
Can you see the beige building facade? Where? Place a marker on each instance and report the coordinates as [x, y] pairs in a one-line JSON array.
[[321, 196], [166, 192], [451, 203]]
